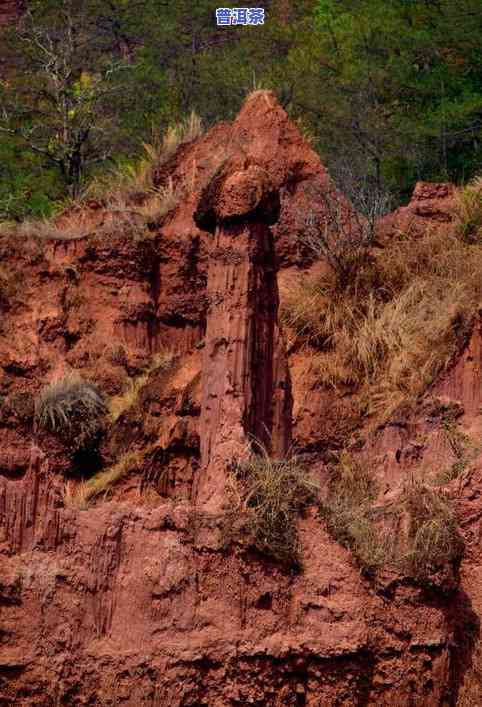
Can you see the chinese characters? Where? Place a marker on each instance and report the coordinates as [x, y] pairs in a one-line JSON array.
[[240, 16]]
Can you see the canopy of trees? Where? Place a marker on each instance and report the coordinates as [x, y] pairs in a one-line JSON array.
[[392, 88]]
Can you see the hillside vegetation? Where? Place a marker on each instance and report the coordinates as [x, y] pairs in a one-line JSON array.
[[397, 323], [390, 92]]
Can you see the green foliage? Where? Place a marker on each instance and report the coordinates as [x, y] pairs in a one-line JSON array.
[[268, 496], [402, 81], [57, 104], [390, 86], [28, 187], [71, 408]]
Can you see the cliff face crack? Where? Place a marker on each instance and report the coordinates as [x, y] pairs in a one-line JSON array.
[[263, 293], [106, 559]]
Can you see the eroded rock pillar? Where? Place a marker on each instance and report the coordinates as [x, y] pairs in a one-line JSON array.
[[246, 383]]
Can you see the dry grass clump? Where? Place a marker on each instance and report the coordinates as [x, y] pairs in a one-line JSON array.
[[416, 534], [131, 186], [128, 196], [395, 330], [463, 449], [268, 495], [468, 211], [432, 538], [71, 408], [119, 404], [163, 147], [45, 230], [160, 202], [101, 482], [315, 310], [348, 512]]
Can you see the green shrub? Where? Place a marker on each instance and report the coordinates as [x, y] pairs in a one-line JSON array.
[[269, 494], [71, 408]]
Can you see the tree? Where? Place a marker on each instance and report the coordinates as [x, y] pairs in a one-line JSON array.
[[59, 106], [399, 81]]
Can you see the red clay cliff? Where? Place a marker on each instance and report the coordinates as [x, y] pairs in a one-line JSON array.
[[135, 599]]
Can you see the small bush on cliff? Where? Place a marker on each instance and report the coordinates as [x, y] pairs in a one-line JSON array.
[[432, 537], [344, 232], [415, 534], [268, 495], [342, 240], [347, 511], [71, 408]]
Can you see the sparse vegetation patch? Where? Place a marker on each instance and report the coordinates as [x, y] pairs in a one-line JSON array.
[[415, 534], [267, 497], [468, 211], [432, 537], [347, 511], [130, 187], [395, 327], [71, 408], [161, 361], [102, 482]]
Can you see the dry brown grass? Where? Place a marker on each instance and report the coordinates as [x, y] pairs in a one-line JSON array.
[[85, 492], [267, 497], [433, 537], [135, 221], [162, 148], [393, 333], [464, 450], [131, 186], [468, 210], [160, 202], [163, 360], [347, 511], [415, 534], [45, 230]]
